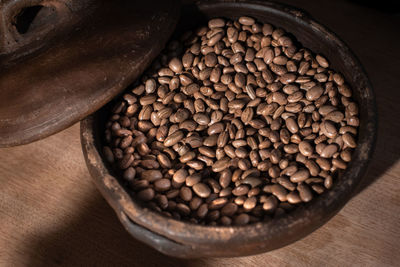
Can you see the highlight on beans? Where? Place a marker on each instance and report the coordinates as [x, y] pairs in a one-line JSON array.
[[233, 123]]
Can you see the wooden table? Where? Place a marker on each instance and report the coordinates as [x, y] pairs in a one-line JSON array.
[[51, 213]]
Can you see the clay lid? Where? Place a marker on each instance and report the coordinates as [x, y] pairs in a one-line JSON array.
[[61, 60]]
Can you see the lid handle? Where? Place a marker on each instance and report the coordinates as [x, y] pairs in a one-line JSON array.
[[23, 22]]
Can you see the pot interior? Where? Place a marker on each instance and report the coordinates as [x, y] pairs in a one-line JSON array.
[[278, 232]]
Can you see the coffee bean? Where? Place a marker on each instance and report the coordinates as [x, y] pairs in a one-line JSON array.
[[270, 203], [246, 21], [216, 128], [185, 193], [151, 175], [314, 93], [146, 194], [162, 185], [328, 129], [221, 165], [175, 64], [329, 151], [279, 192], [312, 167], [216, 23], [293, 198], [305, 148], [250, 203], [300, 176], [291, 125], [240, 190], [349, 140], [322, 61], [304, 192], [173, 138], [202, 190], [180, 176]]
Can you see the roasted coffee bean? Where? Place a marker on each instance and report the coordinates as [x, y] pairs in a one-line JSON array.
[[304, 192], [293, 198], [180, 176], [146, 194], [162, 185], [151, 175], [305, 148], [234, 121], [173, 138], [300, 176], [202, 190]]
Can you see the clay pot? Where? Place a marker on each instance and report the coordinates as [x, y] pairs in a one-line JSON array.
[[61, 60], [186, 240]]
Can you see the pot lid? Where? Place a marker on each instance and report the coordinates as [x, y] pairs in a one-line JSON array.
[[61, 60]]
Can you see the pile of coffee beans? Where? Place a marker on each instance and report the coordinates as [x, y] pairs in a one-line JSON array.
[[233, 123]]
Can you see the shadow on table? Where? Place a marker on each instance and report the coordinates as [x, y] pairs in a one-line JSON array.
[[95, 237]]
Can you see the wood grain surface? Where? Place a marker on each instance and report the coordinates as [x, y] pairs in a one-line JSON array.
[[52, 215]]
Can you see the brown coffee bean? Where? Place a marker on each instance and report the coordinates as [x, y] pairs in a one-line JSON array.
[[346, 155], [279, 191], [329, 150], [146, 194], [291, 125], [304, 192], [195, 164], [250, 203], [246, 21], [338, 163], [293, 198], [216, 128], [180, 176], [328, 182], [285, 182], [185, 193], [314, 93], [312, 167], [210, 140], [305, 148], [175, 64], [270, 203], [335, 116], [349, 140], [240, 190], [221, 165], [129, 174], [217, 203], [216, 23], [151, 175], [173, 138], [162, 185], [323, 164], [322, 61], [300, 176], [194, 141], [183, 209], [328, 129], [150, 164], [279, 98], [202, 190], [201, 118]]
